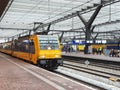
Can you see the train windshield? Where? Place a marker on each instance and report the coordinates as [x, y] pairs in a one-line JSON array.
[[48, 42]]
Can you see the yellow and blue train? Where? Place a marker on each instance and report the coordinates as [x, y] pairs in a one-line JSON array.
[[43, 50]]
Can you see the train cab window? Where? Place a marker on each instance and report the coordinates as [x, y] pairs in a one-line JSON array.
[[48, 42]]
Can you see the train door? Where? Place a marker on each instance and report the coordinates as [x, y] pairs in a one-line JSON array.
[[13, 47], [31, 51]]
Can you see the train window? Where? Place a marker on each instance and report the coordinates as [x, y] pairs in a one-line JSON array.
[[43, 41], [31, 42], [7, 46], [53, 41], [32, 48], [48, 41], [24, 46], [15, 45], [53, 38]]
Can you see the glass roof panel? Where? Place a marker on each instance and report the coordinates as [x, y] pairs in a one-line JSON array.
[[23, 13]]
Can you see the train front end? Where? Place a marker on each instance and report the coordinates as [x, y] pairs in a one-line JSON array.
[[50, 52]]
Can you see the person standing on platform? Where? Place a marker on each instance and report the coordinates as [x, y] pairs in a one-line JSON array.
[[100, 50], [94, 51], [97, 50], [69, 49], [77, 50], [66, 48], [118, 53]]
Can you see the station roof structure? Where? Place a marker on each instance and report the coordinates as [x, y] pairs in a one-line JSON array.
[[18, 16]]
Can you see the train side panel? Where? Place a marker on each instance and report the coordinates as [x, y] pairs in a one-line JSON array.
[[26, 49], [6, 51], [31, 49], [34, 49], [6, 48], [96, 46]]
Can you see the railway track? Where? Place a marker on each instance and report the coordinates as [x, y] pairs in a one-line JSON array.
[[76, 75], [107, 71], [93, 70], [97, 63], [79, 81]]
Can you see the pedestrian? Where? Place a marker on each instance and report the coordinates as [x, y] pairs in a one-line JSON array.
[[100, 50]]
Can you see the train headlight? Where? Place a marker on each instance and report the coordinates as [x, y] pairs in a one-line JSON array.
[[42, 56], [49, 48], [57, 56]]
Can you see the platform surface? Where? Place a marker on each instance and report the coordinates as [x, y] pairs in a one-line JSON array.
[[92, 56], [16, 74]]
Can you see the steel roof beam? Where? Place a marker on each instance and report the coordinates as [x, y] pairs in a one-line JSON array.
[[69, 16], [101, 24], [2, 28], [3, 4]]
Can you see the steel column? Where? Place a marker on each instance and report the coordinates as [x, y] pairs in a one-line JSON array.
[[60, 38], [88, 26]]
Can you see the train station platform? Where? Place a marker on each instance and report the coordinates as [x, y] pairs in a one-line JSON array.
[[91, 56], [16, 74]]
